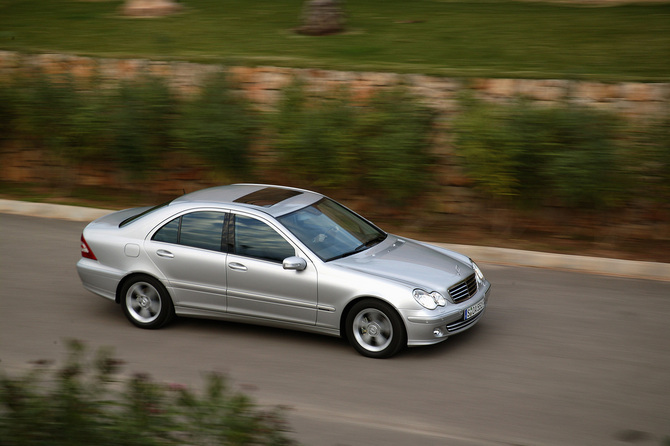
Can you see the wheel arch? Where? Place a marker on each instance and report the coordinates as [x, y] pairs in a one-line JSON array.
[[134, 275], [350, 304]]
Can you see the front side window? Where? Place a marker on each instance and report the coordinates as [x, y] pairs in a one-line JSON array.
[[254, 238], [198, 229]]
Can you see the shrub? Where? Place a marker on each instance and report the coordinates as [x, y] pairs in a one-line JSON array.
[[315, 136], [9, 112], [81, 403], [393, 137], [47, 108], [130, 125], [90, 134], [219, 126], [585, 163], [142, 115], [491, 152], [534, 155], [333, 142], [649, 158]]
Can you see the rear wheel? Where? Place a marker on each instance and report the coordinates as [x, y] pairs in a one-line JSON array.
[[146, 303], [375, 330]]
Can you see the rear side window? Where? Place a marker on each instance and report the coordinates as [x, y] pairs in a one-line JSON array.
[[198, 229]]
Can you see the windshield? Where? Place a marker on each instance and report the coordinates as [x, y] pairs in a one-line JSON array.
[[332, 231]]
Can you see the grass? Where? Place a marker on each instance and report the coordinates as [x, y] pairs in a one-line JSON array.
[[99, 197], [452, 38]]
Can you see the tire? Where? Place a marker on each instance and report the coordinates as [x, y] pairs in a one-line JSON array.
[[146, 303], [375, 330]]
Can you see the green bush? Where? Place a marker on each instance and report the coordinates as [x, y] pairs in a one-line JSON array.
[[129, 126], [492, 154], [83, 403], [219, 126], [521, 153], [142, 117], [315, 137], [393, 137], [534, 155], [48, 109], [9, 112], [650, 158], [90, 134], [333, 142]]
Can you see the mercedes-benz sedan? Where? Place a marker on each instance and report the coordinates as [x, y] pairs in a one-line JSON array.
[[283, 257]]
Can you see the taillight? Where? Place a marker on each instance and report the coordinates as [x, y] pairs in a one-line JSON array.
[[86, 250]]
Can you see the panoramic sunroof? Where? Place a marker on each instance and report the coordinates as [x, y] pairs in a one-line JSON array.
[[267, 196]]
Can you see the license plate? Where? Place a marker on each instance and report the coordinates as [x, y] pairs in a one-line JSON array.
[[474, 310]]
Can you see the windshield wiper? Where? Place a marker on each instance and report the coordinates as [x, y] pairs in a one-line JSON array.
[[375, 240], [362, 247]]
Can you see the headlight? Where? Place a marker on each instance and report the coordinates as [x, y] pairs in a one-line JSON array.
[[429, 300], [478, 272]]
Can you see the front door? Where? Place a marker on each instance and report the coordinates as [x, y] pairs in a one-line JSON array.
[[258, 285]]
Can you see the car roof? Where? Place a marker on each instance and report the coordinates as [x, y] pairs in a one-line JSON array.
[[271, 199]]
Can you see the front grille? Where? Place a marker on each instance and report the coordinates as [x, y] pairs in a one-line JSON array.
[[464, 290], [458, 325]]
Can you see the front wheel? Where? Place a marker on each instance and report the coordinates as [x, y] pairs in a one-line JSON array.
[[375, 330], [146, 303]]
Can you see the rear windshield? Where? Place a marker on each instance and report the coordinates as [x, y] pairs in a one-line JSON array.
[[129, 220]]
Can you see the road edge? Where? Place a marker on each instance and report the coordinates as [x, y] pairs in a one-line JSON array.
[[483, 254]]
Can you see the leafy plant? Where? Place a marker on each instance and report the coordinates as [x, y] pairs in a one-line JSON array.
[[218, 125], [47, 106], [537, 155], [8, 112], [334, 142], [143, 112], [315, 137], [85, 402], [649, 158], [393, 137], [491, 153]]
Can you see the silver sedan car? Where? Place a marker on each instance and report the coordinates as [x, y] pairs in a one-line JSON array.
[[282, 257]]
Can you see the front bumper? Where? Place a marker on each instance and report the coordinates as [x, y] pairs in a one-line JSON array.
[[427, 329]]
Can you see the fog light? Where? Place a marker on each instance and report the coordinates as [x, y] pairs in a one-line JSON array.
[[438, 333]]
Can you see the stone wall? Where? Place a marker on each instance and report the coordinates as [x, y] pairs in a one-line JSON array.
[[263, 84]]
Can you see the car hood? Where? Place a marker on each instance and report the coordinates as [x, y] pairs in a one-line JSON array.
[[410, 262]]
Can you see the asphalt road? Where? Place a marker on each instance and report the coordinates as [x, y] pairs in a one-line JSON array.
[[560, 358]]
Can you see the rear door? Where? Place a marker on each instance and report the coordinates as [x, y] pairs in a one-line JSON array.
[[190, 252]]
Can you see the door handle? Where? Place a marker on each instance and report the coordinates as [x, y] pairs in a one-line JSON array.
[[164, 253], [237, 266]]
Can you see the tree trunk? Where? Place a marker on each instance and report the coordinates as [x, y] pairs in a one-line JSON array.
[[150, 8], [322, 17]]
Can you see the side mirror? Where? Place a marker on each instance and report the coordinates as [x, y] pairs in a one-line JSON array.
[[294, 263]]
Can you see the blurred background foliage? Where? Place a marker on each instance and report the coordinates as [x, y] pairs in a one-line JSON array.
[[520, 154], [382, 143], [87, 401], [140, 123], [219, 125], [533, 155]]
